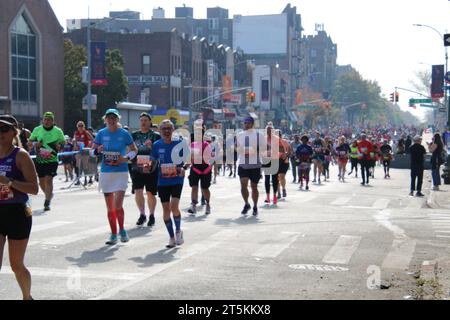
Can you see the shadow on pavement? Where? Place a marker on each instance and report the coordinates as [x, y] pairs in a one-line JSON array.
[[160, 257], [102, 255], [242, 220]]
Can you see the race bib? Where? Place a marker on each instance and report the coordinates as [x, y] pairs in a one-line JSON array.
[[364, 150], [110, 157], [45, 153], [169, 170], [342, 153], [6, 193]]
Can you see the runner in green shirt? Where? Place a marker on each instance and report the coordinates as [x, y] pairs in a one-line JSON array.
[[47, 140]]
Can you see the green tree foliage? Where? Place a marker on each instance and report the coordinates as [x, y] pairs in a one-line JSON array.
[[74, 90]]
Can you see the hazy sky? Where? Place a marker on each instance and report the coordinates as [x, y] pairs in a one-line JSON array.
[[376, 37]]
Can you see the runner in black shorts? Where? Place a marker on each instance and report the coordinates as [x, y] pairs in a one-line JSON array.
[[17, 179]]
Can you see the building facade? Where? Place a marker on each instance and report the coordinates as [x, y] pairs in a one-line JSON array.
[[31, 61]]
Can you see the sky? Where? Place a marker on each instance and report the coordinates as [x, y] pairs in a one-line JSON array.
[[376, 37]]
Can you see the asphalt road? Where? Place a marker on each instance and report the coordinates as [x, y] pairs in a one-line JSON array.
[[337, 241]]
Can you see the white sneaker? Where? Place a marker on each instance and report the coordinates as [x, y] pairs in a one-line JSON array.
[[192, 209], [179, 237], [171, 244]]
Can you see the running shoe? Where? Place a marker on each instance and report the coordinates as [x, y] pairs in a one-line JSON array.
[[420, 194], [255, 211], [112, 240], [307, 188], [208, 209], [314, 181], [246, 208], [192, 209], [179, 238], [267, 199], [124, 236], [275, 200], [363, 184], [47, 205], [279, 195], [172, 243], [142, 219], [151, 221], [284, 193]]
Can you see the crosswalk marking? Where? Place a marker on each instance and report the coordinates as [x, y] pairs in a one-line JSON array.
[[439, 236], [442, 231], [400, 255], [272, 250], [381, 204], [68, 239], [343, 250], [340, 201], [414, 204], [51, 225]]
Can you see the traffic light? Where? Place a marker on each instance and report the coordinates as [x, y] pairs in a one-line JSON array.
[[397, 96], [392, 97], [252, 97]]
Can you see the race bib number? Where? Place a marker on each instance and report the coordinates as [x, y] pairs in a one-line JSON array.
[[364, 150], [110, 157], [144, 163], [169, 170], [45, 153], [6, 193], [342, 153]]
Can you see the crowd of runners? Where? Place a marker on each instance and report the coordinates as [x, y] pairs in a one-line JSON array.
[[157, 158]]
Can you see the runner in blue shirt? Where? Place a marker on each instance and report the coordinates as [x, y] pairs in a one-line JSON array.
[[112, 142], [169, 155]]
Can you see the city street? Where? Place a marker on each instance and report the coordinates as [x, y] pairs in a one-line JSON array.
[[337, 241]]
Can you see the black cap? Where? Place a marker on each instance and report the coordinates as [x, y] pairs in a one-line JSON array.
[[9, 120], [145, 114]]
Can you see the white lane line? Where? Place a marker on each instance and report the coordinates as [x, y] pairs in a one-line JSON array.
[[439, 236], [180, 255], [51, 225], [442, 231], [340, 201], [68, 239], [343, 250], [273, 250], [381, 204], [400, 255], [76, 272]]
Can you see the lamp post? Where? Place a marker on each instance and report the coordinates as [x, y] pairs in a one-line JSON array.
[[441, 36]]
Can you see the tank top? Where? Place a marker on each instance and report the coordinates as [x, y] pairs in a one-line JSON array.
[[8, 168]]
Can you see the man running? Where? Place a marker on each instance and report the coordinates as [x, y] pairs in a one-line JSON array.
[[248, 145], [169, 155], [354, 158], [342, 152], [142, 174], [304, 155], [318, 146], [365, 148], [47, 139], [386, 153]]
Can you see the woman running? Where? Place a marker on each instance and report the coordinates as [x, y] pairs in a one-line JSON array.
[[318, 146], [113, 141], [386, 151], [272, 156], [342, 151], [18, 178], [304, 155]]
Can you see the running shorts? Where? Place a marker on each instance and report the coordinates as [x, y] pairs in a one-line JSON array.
[[204, 179], [15, 223], [46, 169], [167, 192], [149, 181], [253, 174]]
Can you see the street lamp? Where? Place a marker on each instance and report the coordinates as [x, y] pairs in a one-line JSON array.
[[441, 36]]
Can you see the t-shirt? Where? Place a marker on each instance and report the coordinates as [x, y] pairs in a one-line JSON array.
[[248, 144], [114, 145], [171, 158], [318, 146], [144, 151], [343, 150], [304, 153], [201, 157], [365, 148], [386, 149], [83, 139], [49, 139]]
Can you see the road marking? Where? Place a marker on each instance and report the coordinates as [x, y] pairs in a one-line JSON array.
[[340, 201], [400, 255], [439, 236], [381, 204], [68, 239], [66, 273], [272, 250], [343, 250], [442, 231], [414, 204], [182, 254], [317, 267], [51, 225]]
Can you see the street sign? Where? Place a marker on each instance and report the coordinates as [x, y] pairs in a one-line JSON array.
[[447, 40], [93, 102], [414, 101], [428, 106]]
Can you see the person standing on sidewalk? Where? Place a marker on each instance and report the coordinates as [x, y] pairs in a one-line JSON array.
[[437, 160], [141, 173], [18, 178], [112, 142], [169, 153], [47, 139], [417, 152]]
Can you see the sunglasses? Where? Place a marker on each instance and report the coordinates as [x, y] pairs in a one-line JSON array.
[[5, 129]]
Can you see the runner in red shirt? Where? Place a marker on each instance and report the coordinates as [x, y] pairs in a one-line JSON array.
[[365, 148]]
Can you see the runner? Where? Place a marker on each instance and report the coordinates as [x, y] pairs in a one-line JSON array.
[[318, 146], [304, 155], [82, 139], [112, 142], [201, 157], [386, 151], [284, 153], [271, 158], [141, 173], [354, 158], [170, 179], [342, 151], [294, 164], [328, 157], [365, 148], [47, 140], [248, 145], [24, 135], [18, 178]]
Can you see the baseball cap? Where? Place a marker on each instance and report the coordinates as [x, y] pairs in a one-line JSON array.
[[145, 114], [8, 120], [249, 119], [112, 111], [49, 115]]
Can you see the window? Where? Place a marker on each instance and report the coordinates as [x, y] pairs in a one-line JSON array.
[[146, 64], [313, 53], [23, 61], [213, 39], [213, 23], [225, 33]]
